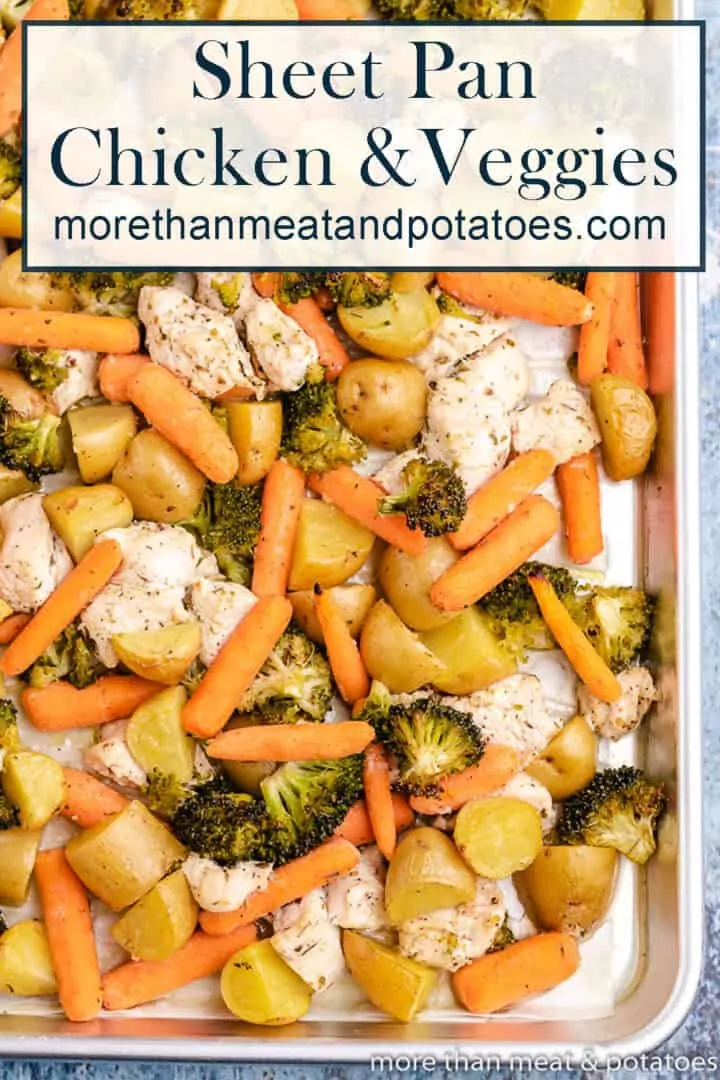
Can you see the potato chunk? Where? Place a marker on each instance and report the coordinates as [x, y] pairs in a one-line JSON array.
[[79, 514]]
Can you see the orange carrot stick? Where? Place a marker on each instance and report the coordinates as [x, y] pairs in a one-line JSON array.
[[282, 501], [181, 417], [357, 827], [343, 653], [115, 372], [378, 799], [266, 284], [595, 333], [292, 742], [309, 316], [625, 353], [11, 61], [500, 495], [588, 665], [358, 497], [518, 295], [508, 546], [332, 9], [70, 935], [657, 294], [67, 330], [72, 595], [503, 978], [497, 765], [288, 883], [139, 981], [61, 707], [11, 627], [578, 482], [236, 665], [88, 801]]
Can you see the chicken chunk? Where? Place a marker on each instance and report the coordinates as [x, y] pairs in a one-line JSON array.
[[110, 757], [561, 422], [199, 345], [529, 790], [160, 556], [219, 605], [232, 294], [451, 937], [308, 942], [224, 888], [356, 900], [279, 346], [468, 427], [614, 719], [453, 340], [502, 369], [389, 475], [127, 609], [80, 381], [33, 560], [512, 712]]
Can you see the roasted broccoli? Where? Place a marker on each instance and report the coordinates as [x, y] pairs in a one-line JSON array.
[[433, 499], [293, 684], [574, 279], [31, 445], [513, 613], [150, 10], [194, 676], [69, 657], [307, 800], [297, 285], [618, 620], [9, 816], [113, 292], [9, 737], [220, 824], [450, 10], [44, 369], [10, 170], [227, 522], [358, 289], [165, 793], [314, 436], [503, 937], [427, 739], [450, 306], [619, 808]]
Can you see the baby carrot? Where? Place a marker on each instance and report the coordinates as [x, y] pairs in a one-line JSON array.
[[88, 801], [310, 317], [502, 978], [518, 295], [508, 546], [497, 765], [343, 653], [579, 486], [70, 935], [358, 497], [181, 417], [67, 330], [61, 707], [500, 495], [72, 595], [292, 742], [282, 499], [357, 827], [625, 354], [378, 799], [657, 291], [595, 334], [115, 372], [236, 665], [288, 883], [587, 663], [11, 61], [333, 9]]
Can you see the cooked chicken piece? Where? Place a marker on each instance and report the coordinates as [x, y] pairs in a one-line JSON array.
[[160, 556], [356, 900], [614, 719], [512, 712], [453, 340], [529, 790], [231, 293], [451, 937], [308, 942], [219, 605], [279, 346], [561, 421], [33, 560], [224, 888], [80, 381], [127, 609], [110, 757]]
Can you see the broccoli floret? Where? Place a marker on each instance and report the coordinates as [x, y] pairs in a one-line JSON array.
[[29, 444], [9, 737], [218, 823], [574, 279], [307, 800], [147, 10], [108, 292], [449, 10], [450, 306], [512, 611], [227, 522], [297, 285], [10, 169], [428, 740], [314, 436], [229, 291], [362, 289], [433, 499], [503, 937], [618, 621], [9, 816], [44, 369], [193, 676], [165, 793], [69, 657], [619, 808], [294, 683]]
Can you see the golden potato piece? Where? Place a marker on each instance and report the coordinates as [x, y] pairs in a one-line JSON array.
[[330, 547], [35, 784], [426, 873], [260, 988], [160, 923], [568, 888], [601, 10], [160, 655], [156, 736], [406, 581], [399, 327], [13, 482], [25, 965], [79, 514], [383, 401], [100, 436], [409, 281], [353, 601], [393, 983], [471, 653], [394, 655], [628, 425], [255, 430], [30, 289], [18, 851], [569, 761], [498, 835], [161, 483]]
